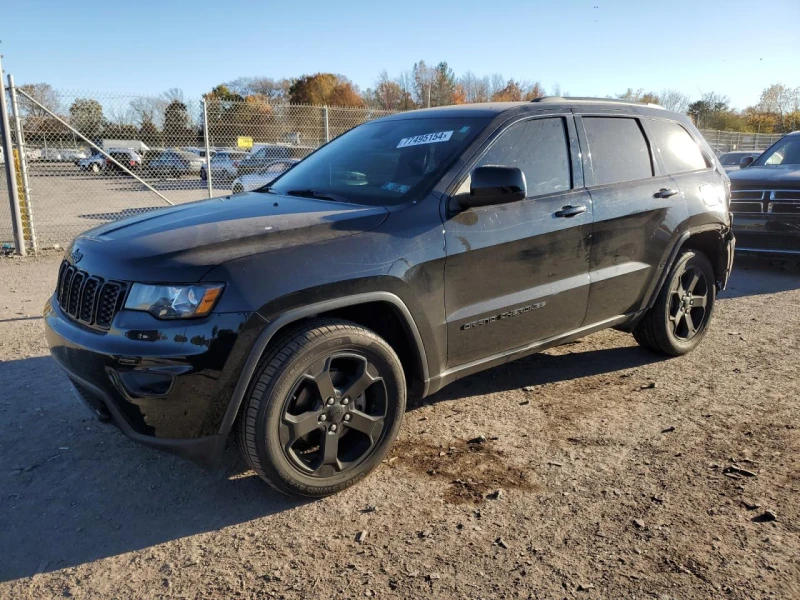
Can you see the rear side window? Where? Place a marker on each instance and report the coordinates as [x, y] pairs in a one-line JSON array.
[[679, 151], [537, 147], [618, 148]]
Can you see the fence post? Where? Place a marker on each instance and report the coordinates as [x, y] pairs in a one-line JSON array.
[[327, 126], [208, 149], [23, 166], [11, 176]]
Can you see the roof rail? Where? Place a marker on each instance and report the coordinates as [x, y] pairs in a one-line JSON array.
[[559, 99]]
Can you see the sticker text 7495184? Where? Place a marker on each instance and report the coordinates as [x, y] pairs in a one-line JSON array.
[[425, 138]]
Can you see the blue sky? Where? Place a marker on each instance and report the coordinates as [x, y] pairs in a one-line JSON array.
[[146, 47]]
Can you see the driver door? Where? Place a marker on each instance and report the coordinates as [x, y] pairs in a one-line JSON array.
[[518, 273]]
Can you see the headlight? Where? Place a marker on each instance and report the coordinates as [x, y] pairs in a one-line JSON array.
[[174, 301]]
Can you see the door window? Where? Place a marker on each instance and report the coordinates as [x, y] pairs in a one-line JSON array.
[[539, 148], [678, 149], [618, 149]]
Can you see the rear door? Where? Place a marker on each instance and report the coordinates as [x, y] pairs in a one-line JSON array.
[[517, 273], [636, 208]]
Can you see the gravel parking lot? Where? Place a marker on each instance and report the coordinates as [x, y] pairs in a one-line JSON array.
[[607, 472]]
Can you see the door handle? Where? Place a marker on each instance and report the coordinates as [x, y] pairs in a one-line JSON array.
[[665, 193], [570, 211]]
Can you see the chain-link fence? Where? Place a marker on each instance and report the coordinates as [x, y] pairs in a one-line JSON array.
[[94, 158], [728, 141]]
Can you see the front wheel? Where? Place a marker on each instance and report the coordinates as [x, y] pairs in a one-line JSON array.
[[679, 319], [323, 409]]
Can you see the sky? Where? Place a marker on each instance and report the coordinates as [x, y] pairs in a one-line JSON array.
[[591, 48]]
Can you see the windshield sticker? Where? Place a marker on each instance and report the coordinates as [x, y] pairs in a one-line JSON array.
[[426, 138], [464, 129], [395, 187]]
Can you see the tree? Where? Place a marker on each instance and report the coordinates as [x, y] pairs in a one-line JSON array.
[[782, 101], [639, 96], [674, 100], [706, 111], [512, 92], [273, 90], [86, 115], [423, 77], [176, 124], [325, 89], [534, 90], [150, 135], [388, 94], [476, 89]]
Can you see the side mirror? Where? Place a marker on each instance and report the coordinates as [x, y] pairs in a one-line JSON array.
[[746, 162], [494, 185]]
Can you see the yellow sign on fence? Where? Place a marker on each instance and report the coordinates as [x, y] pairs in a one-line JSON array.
[[244, 142]]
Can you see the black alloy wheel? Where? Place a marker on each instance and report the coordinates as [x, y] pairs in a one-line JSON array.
[[324, 406], [679, 318]]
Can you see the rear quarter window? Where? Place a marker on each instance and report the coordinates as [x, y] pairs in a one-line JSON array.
[[618, 149], [678, 149]]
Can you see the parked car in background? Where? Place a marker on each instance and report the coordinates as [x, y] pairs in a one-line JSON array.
[[137, 146], [765, 200], [730, 160], [174, 163], [407, 253], [223, 165], [261, 157], [201, 152], [128, 158], [252, 181], [63, 154], [95, 163]]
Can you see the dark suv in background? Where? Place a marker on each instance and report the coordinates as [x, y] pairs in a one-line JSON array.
[[407, 253], [765, 200]]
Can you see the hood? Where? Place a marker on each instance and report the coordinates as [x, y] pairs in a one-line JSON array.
[[181, 243], [771, 178]]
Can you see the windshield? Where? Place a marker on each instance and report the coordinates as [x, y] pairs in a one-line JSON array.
[[783, 152], [381, 163]]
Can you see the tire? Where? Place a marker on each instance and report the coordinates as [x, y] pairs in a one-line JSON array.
[[665, 328], [203, 175], [300, 430]]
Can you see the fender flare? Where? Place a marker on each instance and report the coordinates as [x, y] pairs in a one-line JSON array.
[[310, 310], [672, 254]]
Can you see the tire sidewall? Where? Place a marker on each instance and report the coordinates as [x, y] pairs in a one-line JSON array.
[[270, 453], [698, 260]]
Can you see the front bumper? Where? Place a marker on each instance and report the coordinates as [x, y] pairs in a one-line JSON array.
[[768, 234], [168, 389]]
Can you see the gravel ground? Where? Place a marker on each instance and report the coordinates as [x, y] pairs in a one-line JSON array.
[[620, 475]]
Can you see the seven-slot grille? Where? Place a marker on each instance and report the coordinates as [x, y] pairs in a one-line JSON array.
[[766, 201], [89, 299]]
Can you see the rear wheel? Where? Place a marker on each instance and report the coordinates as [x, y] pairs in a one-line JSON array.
[[679, 319], [324, 408]]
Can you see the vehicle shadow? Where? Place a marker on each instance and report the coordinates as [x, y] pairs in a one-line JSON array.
[[75, 490], [753, 276]]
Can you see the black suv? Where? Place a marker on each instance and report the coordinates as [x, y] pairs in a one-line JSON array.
[[407, 253], [765, 200]]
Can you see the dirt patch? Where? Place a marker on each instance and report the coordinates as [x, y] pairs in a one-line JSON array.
[[473, 471]]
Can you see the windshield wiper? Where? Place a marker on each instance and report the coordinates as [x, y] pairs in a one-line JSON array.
[[265, 190], [315, 194]]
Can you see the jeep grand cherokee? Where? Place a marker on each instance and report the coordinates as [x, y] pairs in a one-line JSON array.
[[407, 253]]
